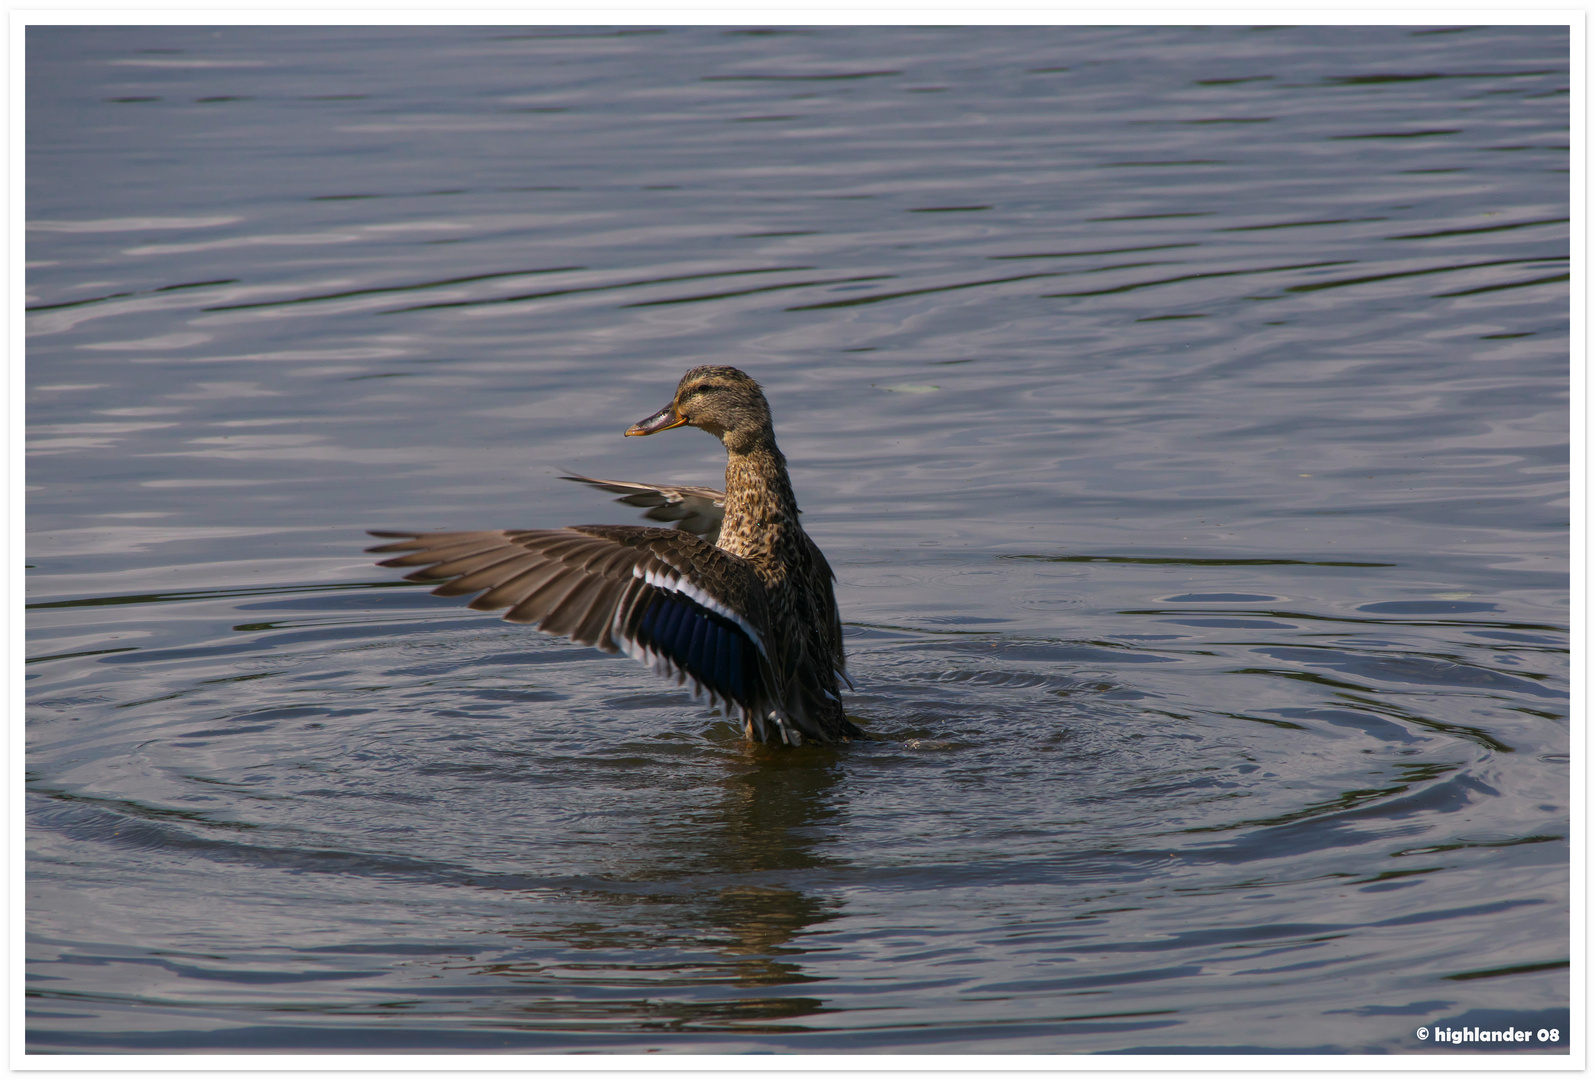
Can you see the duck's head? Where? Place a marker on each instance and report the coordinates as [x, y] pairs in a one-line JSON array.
[[723, 401]]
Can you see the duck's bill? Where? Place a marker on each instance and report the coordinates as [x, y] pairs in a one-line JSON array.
[[663, 420]]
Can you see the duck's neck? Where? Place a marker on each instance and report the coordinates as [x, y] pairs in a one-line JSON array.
[[761, 511]]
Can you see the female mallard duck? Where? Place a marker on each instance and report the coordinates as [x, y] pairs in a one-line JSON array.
[[747, 619]]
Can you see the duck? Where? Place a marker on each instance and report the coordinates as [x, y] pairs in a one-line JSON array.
[[737, 602]]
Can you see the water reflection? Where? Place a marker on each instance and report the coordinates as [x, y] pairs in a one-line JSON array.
[[717, 899]]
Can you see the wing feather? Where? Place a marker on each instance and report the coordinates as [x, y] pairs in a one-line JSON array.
[[699, 510], [690, 611], [505, 566], [451, 546], [467, 565], [538, 605], [523, 579], [584, 594]]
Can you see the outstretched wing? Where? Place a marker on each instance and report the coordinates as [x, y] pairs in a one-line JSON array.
[[663, 596], [698, 510]]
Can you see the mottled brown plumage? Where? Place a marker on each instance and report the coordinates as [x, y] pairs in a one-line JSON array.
[[761, 525], [748, 620]]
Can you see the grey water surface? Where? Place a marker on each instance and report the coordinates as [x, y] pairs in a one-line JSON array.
[[1183, 410]]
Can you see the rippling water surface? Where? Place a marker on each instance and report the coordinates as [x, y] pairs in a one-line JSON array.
[[1183, 411]]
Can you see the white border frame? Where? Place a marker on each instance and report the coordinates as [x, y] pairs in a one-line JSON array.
[[833, 13]]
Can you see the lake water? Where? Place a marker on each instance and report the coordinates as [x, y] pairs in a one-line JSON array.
[[1183, 410]]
